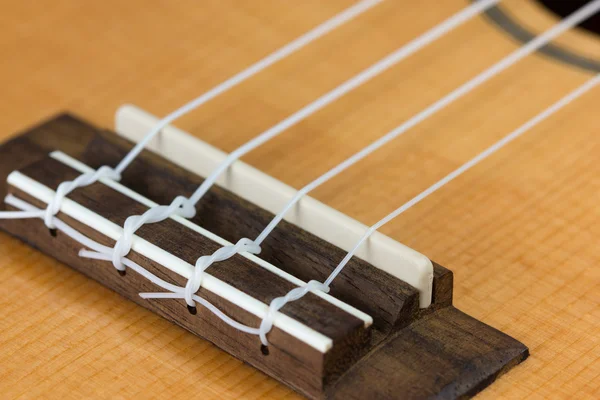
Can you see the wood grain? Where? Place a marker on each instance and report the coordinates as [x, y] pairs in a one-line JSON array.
[[426, 357], [519, 232]]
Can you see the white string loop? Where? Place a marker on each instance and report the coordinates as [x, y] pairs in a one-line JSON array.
[[179, 206], [65, 188], [277, 304], [194, 283]]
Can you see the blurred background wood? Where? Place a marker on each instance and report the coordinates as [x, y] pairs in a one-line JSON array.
[[520, 231]]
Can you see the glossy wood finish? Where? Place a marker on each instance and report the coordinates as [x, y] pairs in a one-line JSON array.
[[522, 227]]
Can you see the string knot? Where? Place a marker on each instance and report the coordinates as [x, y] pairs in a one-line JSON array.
[[65, 188], [187, 209], [180, 206], [195, 281], [277, 304]]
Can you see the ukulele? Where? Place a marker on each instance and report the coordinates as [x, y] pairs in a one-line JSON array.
[[388, 324]]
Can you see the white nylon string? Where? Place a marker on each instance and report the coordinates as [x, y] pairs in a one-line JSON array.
[[67, 187], [277, 303], [135, 222]]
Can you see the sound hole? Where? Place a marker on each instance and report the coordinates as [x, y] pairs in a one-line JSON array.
[[564, 8]]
